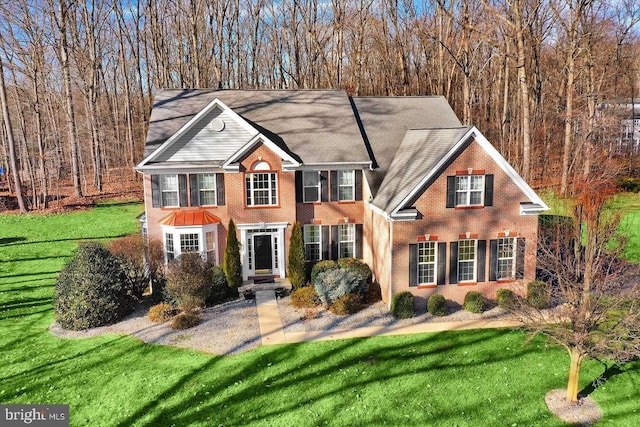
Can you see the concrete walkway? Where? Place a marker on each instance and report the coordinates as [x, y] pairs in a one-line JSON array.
[[272, 330]]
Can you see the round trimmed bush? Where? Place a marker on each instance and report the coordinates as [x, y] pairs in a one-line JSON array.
[[321, 267], [474, 302], [185, 321], [346, 304], [305, 297], [91, 289], [538, 294], [402, 305], [506, 298], [357, 266], [161, 312], [333, 284], [437, 305], [219, 287]]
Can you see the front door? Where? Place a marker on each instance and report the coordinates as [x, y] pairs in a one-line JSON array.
[[263, 255]]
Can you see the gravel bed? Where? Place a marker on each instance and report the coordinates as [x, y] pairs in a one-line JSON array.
[[225, 329]]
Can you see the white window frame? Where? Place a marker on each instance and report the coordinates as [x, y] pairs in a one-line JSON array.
[[423, 265], [342, 174], [271, 188], [464, 191], [166, 190], [174, 239], [306, 176], [169, 247], [506, 252], [350, 241], [473, 262], [204, 190], [307, 234]]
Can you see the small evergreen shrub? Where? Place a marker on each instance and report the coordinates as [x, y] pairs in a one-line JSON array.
[[506, 298], [185, 321], [357, 266], [219, 287], [188, 281], [322, 266], [305, 297], [91, 289], [346, 304], [473, 302], [437, 305], [402, 305], [538, 294], [333, 284], [297, 264], [231, 263], [161, 313]]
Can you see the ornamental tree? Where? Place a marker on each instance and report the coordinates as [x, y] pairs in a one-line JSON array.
[[231, 263], [297, 263]]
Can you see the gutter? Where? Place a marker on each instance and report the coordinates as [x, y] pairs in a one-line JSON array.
[[390, 221]]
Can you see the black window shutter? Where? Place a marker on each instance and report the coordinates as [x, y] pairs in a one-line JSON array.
[[182, 189], [324, 186], [325, 241], [488, 190], [358, 175], [453, 263], [220, 189], [334, 185], [155, 191], [520, 258], [299, 187], [359, 241], [334, 242], [193, 187], [413, 265], [482, 260], [451, 191], [442, 263], [493, 259]]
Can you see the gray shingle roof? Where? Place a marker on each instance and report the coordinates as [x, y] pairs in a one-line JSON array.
[[417, 156], [314, 126]]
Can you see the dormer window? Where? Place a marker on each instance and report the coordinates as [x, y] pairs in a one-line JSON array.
[[261, 185]]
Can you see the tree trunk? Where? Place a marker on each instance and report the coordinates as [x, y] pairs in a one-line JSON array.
[[574, 375]]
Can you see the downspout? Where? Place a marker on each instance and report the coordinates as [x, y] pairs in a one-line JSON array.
[[390, 261]]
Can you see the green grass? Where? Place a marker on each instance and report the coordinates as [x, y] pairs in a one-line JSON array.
[[474, 378]]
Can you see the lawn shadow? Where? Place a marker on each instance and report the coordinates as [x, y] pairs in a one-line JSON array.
[[608, 373], [9, 240]]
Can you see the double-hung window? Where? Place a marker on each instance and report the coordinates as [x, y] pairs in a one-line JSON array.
[[312, 242], [207, 189], [467, 250], [469, 190], [346, 185], [168, 246], [506, 258], [169, 189], [347, 241], [311, 186], [427, 262], [262, 188]]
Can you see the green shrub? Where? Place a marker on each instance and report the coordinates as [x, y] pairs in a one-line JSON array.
[[231, 263], [185, 321], [333, 284], [219, 287], [188, 281], [321, 267], [437, 305], [305, 297], [346, 304], [506, 298], [473, 302], [297, 263], [91, 289], [357, 266], [161, 312], [630, 184], [402, 305], [538, 294]]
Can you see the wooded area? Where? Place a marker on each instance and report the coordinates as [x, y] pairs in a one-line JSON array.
[[532, 75]]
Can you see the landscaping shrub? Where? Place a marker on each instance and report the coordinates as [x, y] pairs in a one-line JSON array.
[[185, 321], [321, 267], [297, 263], [231, 263], [219, 287], [333, 284], [346, 304], [374, 294], [402, 305], [140, 262], [188, 281], [538, 294], [91, 289], [437, 305], [305, 297], [357, 266], [161, 312], [506, 298], [473, 302]]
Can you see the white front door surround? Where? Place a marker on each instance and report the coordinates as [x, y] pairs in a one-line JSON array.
[[271, 237]]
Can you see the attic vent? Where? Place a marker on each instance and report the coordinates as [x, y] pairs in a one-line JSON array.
[[217, 124]]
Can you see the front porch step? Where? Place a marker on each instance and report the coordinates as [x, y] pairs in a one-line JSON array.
[[277, 283]]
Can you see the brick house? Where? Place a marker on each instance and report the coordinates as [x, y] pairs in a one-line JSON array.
[[427, 203]]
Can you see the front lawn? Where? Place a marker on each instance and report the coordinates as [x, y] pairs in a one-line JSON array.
[[486, 377]]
